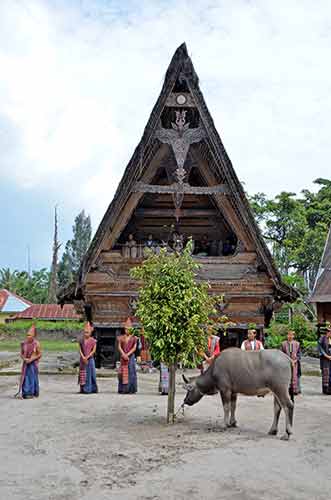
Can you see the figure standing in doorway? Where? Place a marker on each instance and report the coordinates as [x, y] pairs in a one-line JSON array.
[[251, 343], [127, 375]]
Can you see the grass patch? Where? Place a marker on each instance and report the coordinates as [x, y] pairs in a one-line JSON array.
[[51, 345], [24, 325]]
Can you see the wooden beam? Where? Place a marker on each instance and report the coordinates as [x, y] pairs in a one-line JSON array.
[[166, 212], [141, 187]]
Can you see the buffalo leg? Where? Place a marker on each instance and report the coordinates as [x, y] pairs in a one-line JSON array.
[[233, 422], [283, 397], [226, 400], [277, 409]]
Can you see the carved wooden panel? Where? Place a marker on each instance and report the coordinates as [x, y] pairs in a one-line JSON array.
[[174, 100]]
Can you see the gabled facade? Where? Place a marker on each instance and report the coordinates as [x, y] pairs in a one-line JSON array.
[[180, 183], [321, 295], [10, 303]]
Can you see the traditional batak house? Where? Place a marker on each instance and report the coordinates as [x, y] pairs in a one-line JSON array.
[[321, 296], [179, 183]]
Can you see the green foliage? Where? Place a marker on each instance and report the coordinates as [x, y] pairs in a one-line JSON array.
[[65, 272], [173, 307], [24, 325], [304, 332], [75, 249], [296, 228], [297, 281], [274, 341], [51, 345], [32, 287]]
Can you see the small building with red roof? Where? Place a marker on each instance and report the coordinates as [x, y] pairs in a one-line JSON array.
[[11, 304]]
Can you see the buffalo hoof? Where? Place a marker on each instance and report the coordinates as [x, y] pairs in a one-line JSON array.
[[273, 432], [285, 437], [233, 424]]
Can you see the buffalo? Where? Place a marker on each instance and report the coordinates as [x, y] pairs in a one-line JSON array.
[[253, 373]]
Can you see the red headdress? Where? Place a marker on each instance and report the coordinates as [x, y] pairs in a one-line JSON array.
[[33, 330]]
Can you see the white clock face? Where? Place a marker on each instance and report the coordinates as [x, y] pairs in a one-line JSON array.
[[181, 99]]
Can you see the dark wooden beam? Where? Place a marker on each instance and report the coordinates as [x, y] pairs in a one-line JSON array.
[[166, 212]]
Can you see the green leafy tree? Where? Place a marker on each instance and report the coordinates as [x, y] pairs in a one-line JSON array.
[[82, 237], [174, 309], [33, 288], [39, 284], [75, 249], [283, 224], [295, 228], [7, 278], [65, 267]]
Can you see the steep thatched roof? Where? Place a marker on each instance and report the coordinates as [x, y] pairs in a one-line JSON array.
[[181, 64], [322, 288]]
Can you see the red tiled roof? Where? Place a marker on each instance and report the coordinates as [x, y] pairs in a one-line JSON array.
[[49, 311]]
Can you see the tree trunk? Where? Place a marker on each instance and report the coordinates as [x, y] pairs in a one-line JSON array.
[[171, 394], [52, 289]]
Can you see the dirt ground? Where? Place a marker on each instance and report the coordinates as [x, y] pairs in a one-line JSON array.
[[109, 446]]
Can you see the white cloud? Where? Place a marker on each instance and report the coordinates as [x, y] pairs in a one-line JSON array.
[[78, 80]]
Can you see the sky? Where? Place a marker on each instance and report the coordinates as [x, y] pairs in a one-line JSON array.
[[79, 78]]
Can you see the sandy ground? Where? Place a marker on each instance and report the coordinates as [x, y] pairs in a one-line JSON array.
[[108, 446]]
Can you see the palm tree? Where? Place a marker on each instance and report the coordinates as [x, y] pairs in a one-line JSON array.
[[8, 279]]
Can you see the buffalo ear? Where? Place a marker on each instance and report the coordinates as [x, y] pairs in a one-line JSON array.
[[186, 380]]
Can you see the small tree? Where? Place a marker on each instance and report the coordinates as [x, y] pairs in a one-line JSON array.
[[75, 249], [174, 309], [82, 237]]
